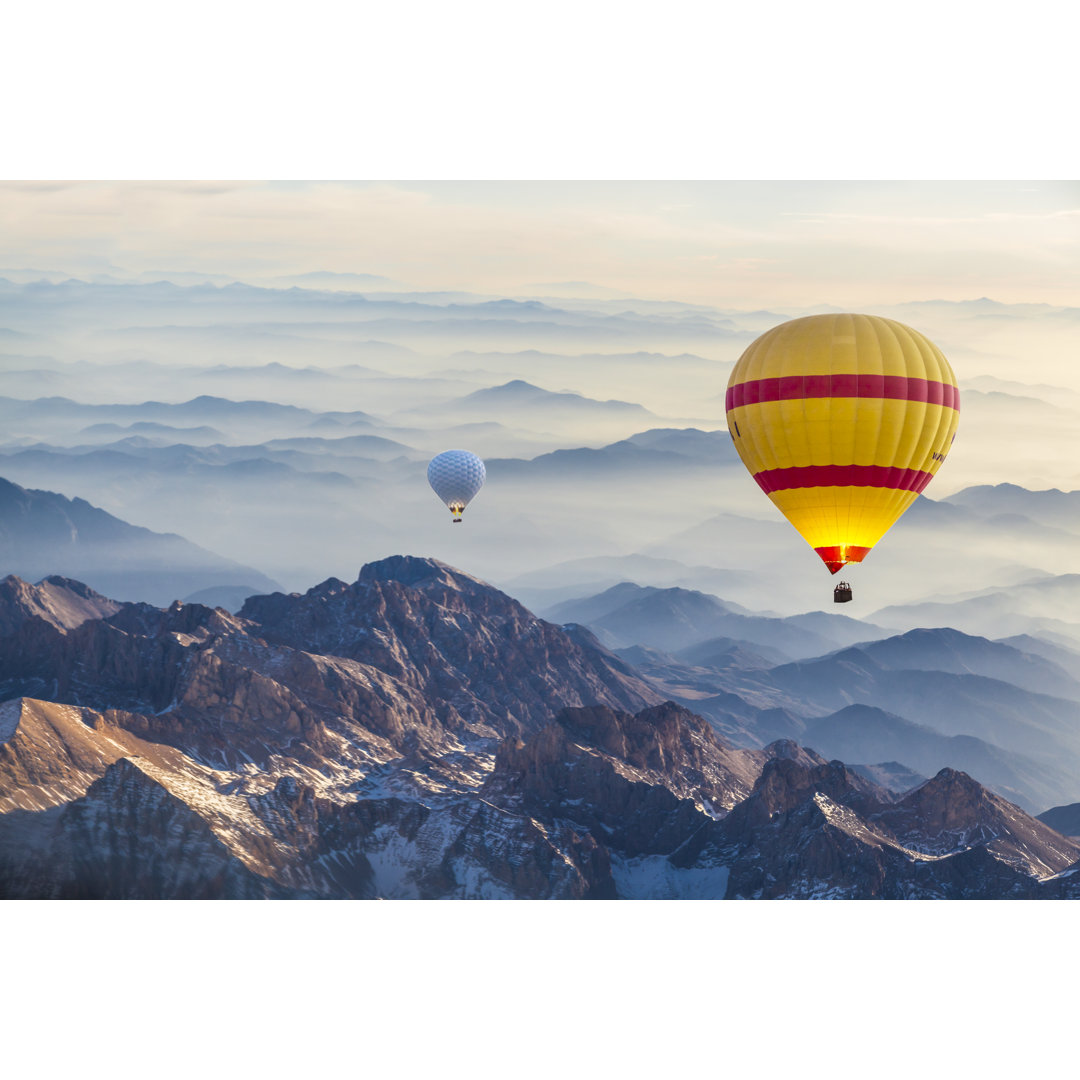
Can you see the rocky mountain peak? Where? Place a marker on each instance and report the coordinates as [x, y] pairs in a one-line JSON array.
[[77, 588], [790, 781], [410, 570], [58, 601], [433, 578], [405, 662], [785, 782], [170, 850], [191, 618], [950, 800], [952, 812], [330, 587], [790, 750]]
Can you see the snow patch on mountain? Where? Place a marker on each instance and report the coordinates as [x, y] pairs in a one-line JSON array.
[[10, 711], [653, 877]]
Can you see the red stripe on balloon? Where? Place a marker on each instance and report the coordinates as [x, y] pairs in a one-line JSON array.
[[878, 476], [789, 387], [837, 557]]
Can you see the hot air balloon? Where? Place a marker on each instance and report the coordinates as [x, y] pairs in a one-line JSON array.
[[456, 476], [842, 420]]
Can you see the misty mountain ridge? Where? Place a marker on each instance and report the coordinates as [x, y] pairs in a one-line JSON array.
[[402, 314], [656, 451], [1039, 726], [947, 649], [735, 541], [929, 704], [43, 534], [672, 619], [1001, 611], [147, 427], [591, 576], [866, 733], [205, 407], [1063, 819], [525, 528], [1050, 507], [517, 393], [331, 279]]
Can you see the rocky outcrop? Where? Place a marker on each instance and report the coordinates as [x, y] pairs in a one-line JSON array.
[[952, 812], [487, 664], [126, 838], [57, 601], [824, 831], [665, 746]]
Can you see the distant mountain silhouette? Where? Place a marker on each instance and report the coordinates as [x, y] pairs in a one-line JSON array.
[[675, 619], [657, 450], [1063, 819], [1033, 607], [864, 733], [855, 705], [726, 652], [518, 398], [202, 409], [891, 775], [1045, 729], [1056, 653], [594, 574], [1052, 507], [43, 533], [946, 649], [148, 427]]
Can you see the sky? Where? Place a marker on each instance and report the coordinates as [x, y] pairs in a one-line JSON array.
[[741, 243], [823, 93], [759, 155]]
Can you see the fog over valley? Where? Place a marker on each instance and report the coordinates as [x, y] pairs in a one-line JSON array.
[[290, 428]]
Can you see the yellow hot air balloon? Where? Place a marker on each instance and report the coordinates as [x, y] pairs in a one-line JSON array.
[[842, 420]]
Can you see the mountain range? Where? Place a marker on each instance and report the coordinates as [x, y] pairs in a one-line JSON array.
[[1004, 711], [418, 733]]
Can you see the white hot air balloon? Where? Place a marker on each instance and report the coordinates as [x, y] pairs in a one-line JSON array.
[[456, 476]]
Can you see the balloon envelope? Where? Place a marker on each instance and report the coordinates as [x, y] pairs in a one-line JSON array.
[[842, 420], [456, 476]]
